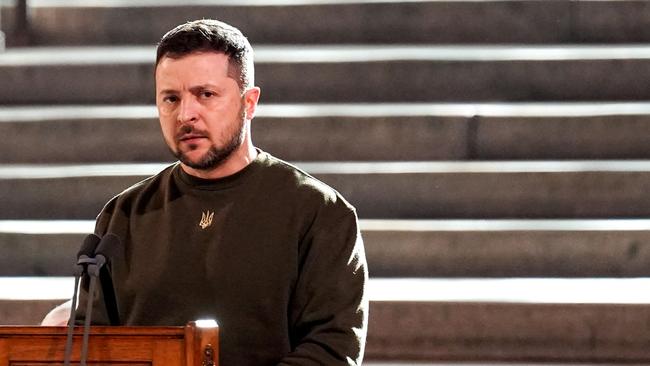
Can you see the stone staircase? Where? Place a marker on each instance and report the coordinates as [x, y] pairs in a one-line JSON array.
[[497, 153]]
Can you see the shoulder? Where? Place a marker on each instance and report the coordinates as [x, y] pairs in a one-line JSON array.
[[286, 177], [148, 187]]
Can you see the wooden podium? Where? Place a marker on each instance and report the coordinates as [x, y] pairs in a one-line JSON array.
[[193, 345]]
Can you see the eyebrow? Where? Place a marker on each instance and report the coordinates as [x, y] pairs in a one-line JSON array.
[[167, 91], [198, 88], [193, 89]]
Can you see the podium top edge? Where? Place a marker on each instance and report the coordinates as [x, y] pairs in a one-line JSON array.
[[131, 331]]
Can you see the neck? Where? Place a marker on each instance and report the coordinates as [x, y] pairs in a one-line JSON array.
[[238, 160]]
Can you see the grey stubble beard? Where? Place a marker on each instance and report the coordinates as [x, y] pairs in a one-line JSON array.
[[215, 156]]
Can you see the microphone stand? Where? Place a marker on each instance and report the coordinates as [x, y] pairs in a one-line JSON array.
[[93, 272], [80, 269]]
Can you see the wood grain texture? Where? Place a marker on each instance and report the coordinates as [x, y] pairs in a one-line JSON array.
[[137, 346]]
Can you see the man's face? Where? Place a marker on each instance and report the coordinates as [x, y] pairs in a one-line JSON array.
[[202, 113]]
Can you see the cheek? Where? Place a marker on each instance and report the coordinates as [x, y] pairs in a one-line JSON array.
[[167, 126]]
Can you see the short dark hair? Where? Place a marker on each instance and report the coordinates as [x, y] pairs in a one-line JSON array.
[[209, 35]]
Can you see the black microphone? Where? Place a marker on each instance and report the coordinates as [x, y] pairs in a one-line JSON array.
[[84, 257], [108, 248], [86, 253]]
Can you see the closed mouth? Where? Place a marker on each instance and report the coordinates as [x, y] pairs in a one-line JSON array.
[[188, 137]]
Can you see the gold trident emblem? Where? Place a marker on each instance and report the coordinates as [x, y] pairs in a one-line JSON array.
[[206, 219]]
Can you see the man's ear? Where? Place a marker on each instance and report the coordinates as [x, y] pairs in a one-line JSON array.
[[251, 98]]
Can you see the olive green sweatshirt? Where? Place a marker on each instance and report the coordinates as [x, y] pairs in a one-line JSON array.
[[271, 253]]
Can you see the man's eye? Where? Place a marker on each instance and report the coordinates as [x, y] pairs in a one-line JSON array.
[[170, 99], [207, 94]]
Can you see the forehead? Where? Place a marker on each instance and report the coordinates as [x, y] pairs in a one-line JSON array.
[[194, 66]]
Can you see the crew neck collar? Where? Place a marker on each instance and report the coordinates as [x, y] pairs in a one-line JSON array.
[[224, 182]]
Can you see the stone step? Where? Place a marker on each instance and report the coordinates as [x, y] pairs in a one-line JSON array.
[[431, 131], [407, 248], [507, 248], [351, 74], [407, 190], [76, 22], [523, 320]]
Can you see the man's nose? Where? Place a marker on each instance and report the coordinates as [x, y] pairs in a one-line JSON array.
[[188, 112]]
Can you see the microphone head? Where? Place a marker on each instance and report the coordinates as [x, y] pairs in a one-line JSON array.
[[89, 246], [109, 247]]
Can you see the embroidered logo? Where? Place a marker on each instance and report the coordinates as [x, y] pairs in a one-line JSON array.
[[206, 219]]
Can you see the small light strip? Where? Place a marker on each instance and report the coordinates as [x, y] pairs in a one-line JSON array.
[[266, 54], [50, 227], [517, 290], [496, 225], [35, 171], [92, 113], [47, 227], [214, 3]]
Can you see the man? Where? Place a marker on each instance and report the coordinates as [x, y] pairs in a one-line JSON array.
[[230, 232]]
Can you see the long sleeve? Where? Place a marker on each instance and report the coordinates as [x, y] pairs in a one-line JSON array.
[[329, 310]]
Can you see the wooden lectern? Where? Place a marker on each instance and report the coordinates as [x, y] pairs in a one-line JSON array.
[[192, 345]]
